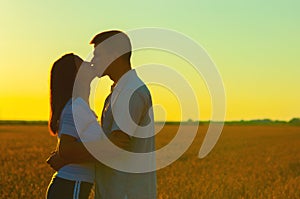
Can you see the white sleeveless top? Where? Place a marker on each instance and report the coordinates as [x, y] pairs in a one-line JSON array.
[[85, 119]]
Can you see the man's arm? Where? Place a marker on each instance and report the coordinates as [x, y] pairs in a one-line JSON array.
[[69, 151], [73, 151]]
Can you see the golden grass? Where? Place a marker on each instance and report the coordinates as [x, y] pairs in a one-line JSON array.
[[247, 162]]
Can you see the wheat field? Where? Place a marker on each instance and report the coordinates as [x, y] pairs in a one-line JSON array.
[[247, 162]]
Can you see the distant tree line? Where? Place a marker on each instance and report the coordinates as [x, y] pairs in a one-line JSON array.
[[22, 122], [294, 121]]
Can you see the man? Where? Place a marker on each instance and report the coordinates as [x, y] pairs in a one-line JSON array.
[[112, 57], [113, 49]]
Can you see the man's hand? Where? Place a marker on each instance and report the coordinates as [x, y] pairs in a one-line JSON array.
[[55, 161]]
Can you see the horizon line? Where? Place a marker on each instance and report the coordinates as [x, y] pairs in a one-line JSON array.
[[178, 121]]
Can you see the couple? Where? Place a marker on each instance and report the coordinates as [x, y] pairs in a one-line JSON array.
[[76, 169]]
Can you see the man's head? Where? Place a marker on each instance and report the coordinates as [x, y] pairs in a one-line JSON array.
[[112, 53]]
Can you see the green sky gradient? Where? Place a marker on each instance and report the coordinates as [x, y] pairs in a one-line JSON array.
[[255, 45]]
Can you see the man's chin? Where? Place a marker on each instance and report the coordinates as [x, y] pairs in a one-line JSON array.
[[101, 75]]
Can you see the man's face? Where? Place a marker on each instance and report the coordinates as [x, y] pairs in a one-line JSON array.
[[101, 60]]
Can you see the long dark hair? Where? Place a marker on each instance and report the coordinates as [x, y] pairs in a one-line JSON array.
[[63, 74]]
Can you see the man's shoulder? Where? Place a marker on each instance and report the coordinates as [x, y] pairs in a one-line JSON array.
[[143, 90], [141, 93]]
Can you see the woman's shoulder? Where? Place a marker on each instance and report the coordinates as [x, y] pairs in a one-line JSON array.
[[81, 111]]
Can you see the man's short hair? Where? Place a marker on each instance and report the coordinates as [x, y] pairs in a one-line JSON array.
[[118, 42]]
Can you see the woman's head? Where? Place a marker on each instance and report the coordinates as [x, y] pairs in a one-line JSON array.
[[62, 78]]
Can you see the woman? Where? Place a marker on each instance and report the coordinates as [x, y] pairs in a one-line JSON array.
[[71, 180]]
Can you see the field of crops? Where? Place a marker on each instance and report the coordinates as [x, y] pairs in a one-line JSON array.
[[247, 162]]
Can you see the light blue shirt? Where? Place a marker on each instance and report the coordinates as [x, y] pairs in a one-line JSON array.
[[111, 183], [76, 172]]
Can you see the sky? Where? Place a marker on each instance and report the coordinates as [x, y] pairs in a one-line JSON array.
[[255, 46]]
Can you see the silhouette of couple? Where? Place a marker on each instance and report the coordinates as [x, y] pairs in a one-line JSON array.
[[74, 123]]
